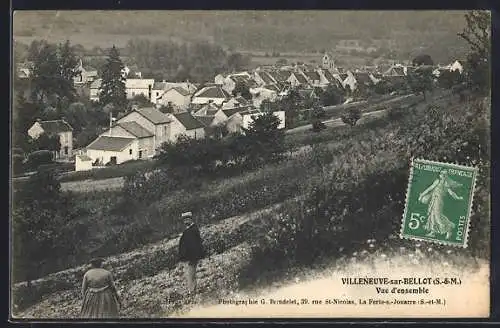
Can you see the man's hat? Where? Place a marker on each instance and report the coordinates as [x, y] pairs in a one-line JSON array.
[[187, 215]]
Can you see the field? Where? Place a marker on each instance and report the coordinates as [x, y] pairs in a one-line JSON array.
[[248, 220]]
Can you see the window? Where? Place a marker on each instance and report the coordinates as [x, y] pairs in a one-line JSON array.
[[165, 130], [157, 93], [133, 94], [130, 151], [66, 150], [140, 153]]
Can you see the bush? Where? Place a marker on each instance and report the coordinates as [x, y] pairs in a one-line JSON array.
[[351, 116], [39, 157], [364, 194], [318, 126]]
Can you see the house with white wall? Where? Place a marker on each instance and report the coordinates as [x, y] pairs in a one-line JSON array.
[[152, 120], [83, 163], [131, 129], [59, 128], [135, 87], [115, 150], [178, 97]]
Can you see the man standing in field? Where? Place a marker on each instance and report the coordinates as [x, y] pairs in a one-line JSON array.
[[190, 250]]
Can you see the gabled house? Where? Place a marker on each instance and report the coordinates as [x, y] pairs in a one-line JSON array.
[[211, 118], [395, 70], [363, 80], [178, 97], [143, 146], [59, 128], [350, 82], [211, 93], [313, 78], [186, 124], [279, 76], [112, 150], [297, 79], [263, 78], [135, 87], [456, 66], [151, 119]]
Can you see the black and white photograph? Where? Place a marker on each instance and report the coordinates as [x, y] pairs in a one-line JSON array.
[[250, 164]]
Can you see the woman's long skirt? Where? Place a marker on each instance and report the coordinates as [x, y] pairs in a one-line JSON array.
[[99, 303]]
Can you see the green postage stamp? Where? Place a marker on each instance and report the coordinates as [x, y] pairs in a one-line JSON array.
[[439, 202]]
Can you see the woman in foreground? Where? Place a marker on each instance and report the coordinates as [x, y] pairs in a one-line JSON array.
[[100, 297]]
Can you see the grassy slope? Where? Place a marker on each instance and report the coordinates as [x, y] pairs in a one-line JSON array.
[[142, 306]]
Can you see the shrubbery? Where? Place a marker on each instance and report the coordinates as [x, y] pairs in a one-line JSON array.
[[39, 157], [351, 116], [363, 195]]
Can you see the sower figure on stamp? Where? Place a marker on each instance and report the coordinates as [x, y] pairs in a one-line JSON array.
[[437, 222], [190, 250], [100, 297]]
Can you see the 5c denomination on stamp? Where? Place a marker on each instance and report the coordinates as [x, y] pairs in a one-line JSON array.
[[439, 202]]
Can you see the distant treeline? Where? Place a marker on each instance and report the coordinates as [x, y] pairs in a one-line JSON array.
[[197, 62]]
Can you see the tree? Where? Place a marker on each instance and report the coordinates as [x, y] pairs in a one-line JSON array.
[[36, 223], [421, 81], [67, 65], [290, 105], [331, 96], [112, 90], [351, 116], [46, 74], [477, 33], [23, 117], [422, 59], [447, 79], [140, 100], [265, 140], [48, 142], [53, 73], [243, 90]]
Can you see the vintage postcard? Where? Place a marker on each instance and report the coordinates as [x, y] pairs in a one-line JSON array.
[[250, 164]]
